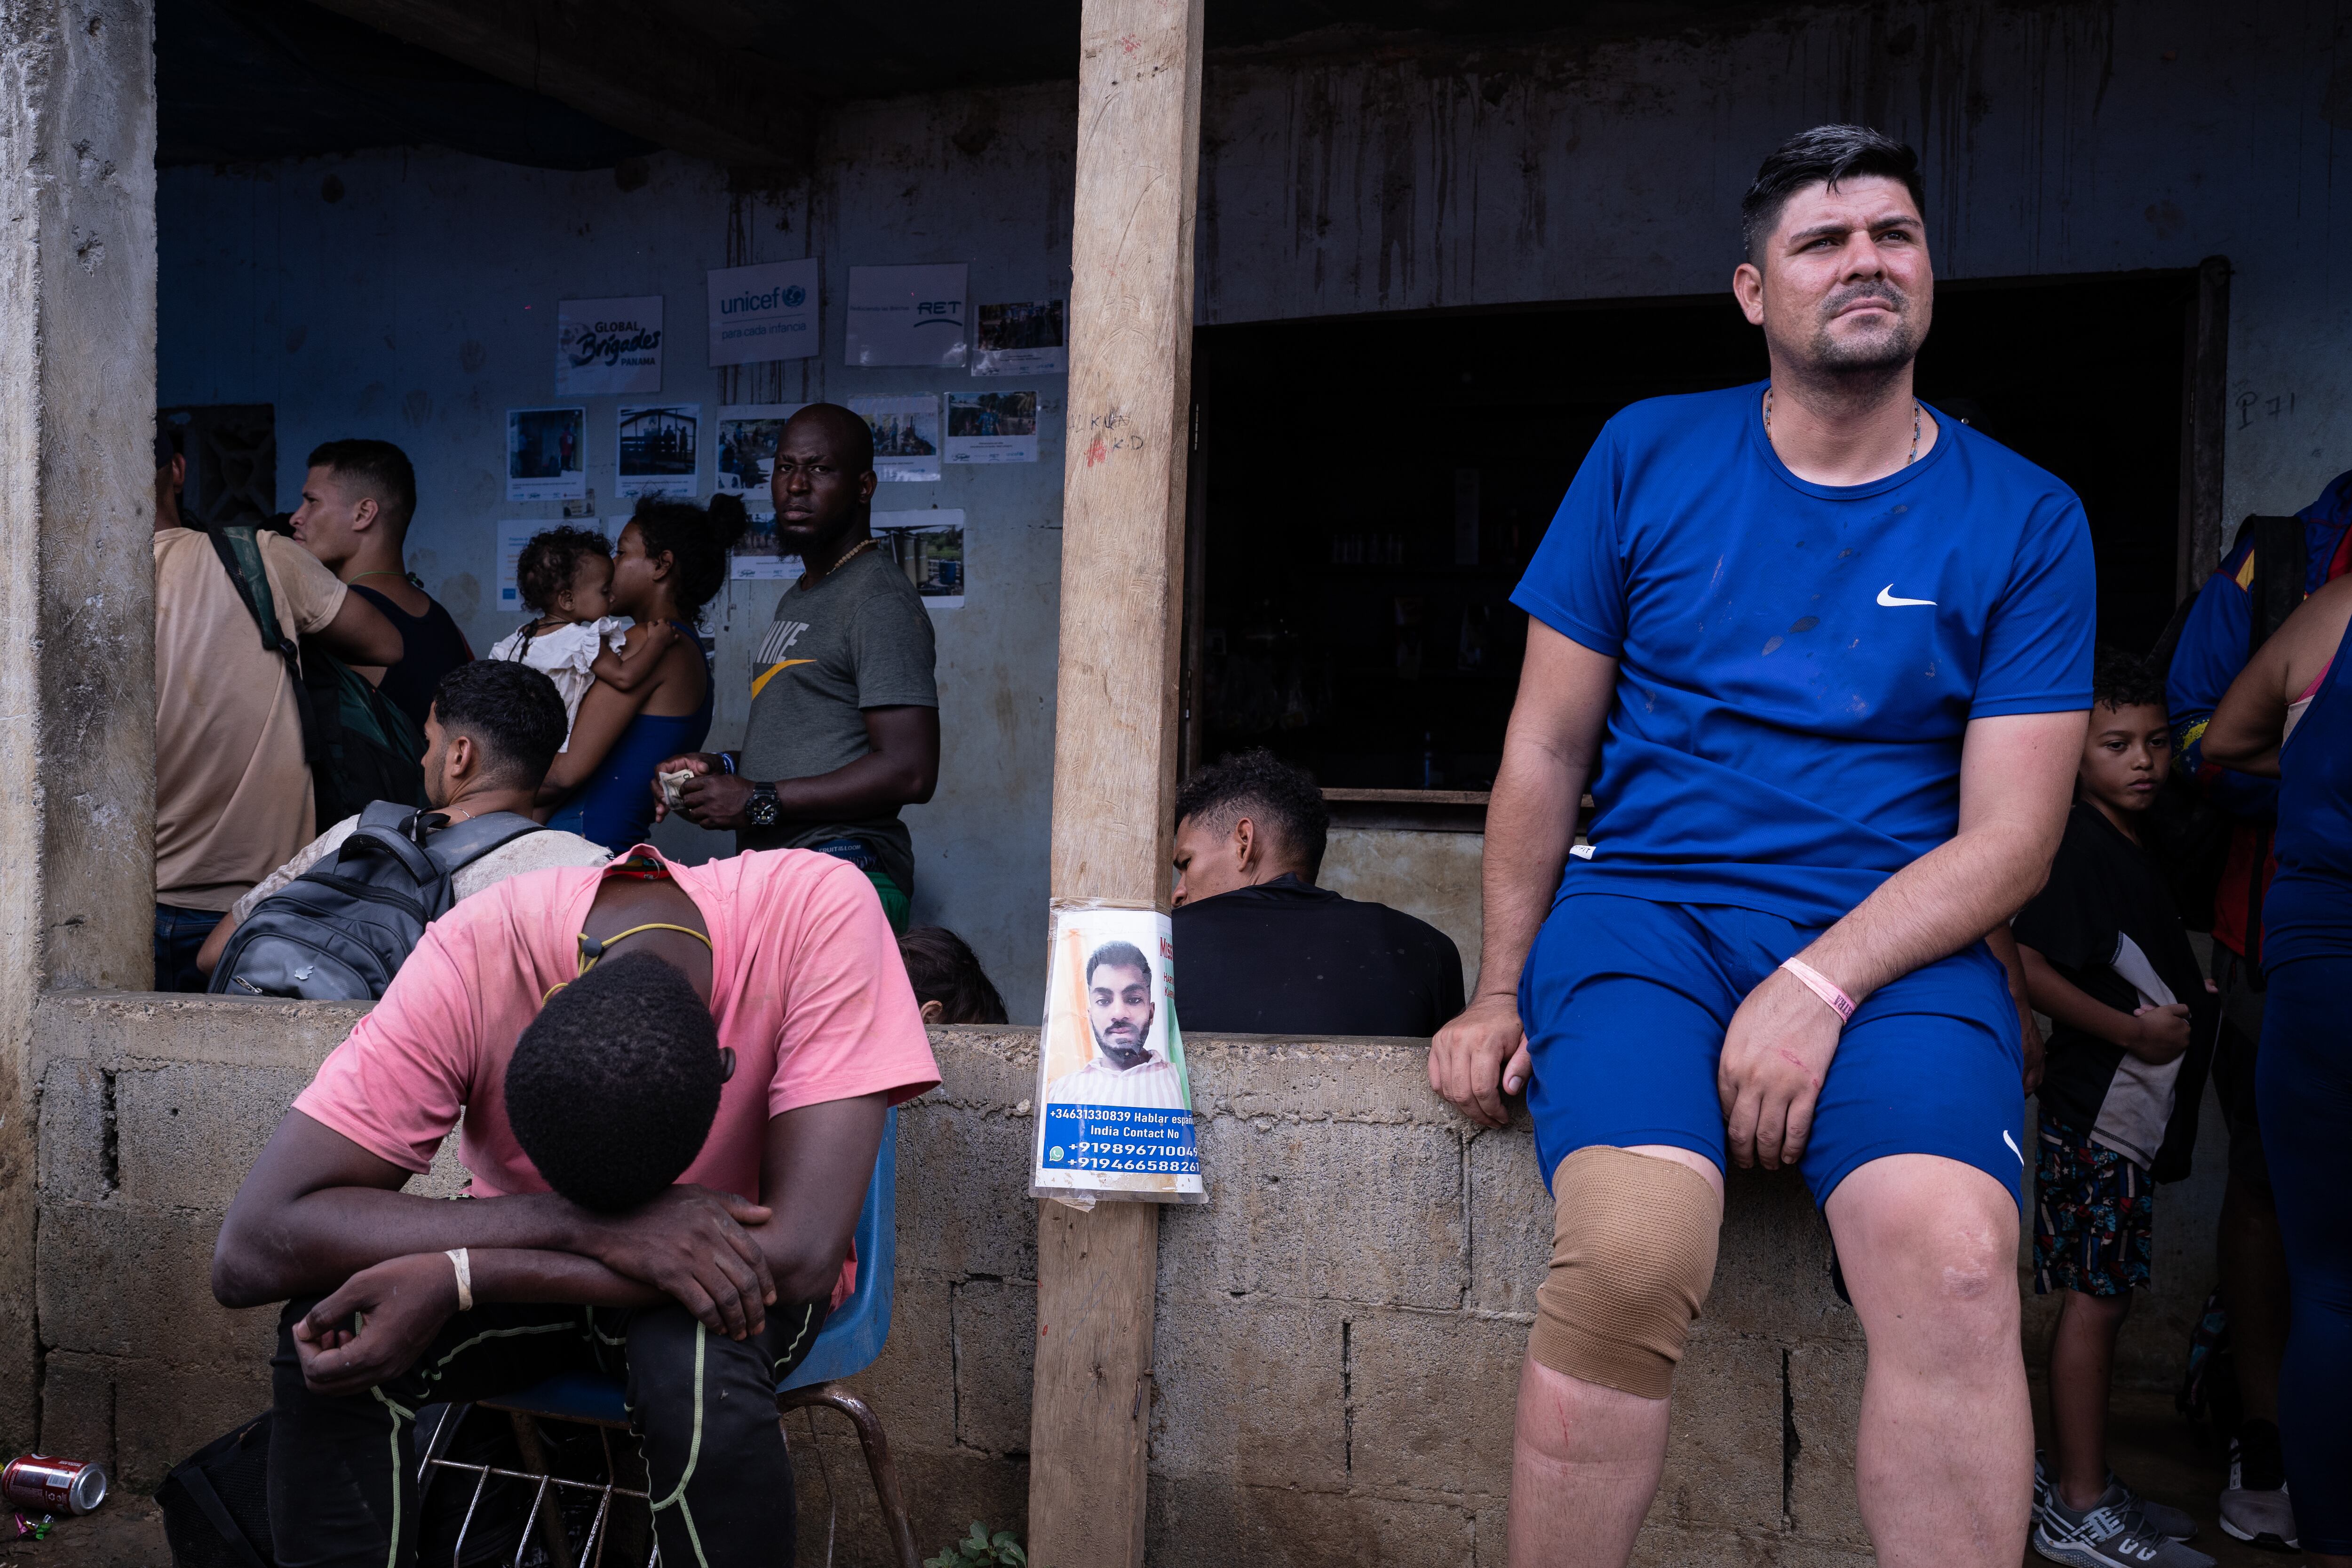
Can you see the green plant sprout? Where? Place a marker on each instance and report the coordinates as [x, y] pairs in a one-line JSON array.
[[981, 1550]]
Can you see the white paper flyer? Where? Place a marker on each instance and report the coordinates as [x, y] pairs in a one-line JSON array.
[[929, 548], [658, 452], [1114, 1101], [906, 434], [992, 427], [748, 434], [547, 454], [608, 346], [906, 316], [758, 559], [765, 312], [1020, 338]]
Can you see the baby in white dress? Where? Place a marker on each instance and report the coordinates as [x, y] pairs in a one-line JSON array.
[[565, 576]]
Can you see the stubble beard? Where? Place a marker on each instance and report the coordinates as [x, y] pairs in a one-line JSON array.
[[1863, 357]]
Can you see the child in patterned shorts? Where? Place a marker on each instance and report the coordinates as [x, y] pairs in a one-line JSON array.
[[2107, 958]]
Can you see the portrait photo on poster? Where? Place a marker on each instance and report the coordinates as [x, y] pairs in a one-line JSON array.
[[608, 346], [748, 434], [767, 311], [759, 555], [1114, 1101], [906, 316], [992, 427], [929, 548], [658, 452], [547, 454], [1019, 339], [906, 436]]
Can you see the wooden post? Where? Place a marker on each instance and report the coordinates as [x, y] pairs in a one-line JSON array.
[[1115, 726]]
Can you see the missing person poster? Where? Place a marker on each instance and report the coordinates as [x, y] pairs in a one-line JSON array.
[[906, 434], [992, 427], [1022, 339], [547, 454], [659, 450], [929, 548], [748, 434], [906, 316], [608, 346], [764, 312], [758, 557], [1114, 1105]]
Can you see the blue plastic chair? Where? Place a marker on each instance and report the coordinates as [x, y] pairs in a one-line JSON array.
[[847, 1345]]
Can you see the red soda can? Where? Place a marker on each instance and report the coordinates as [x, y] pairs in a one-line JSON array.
[[43, 1485]]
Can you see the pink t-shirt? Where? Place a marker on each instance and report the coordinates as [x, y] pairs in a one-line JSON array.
[[806, 987]]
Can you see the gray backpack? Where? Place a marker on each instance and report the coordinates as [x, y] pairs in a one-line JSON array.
[[340, 930]]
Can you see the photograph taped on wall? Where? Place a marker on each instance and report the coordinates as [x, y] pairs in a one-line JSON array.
[[608, 346], [768, 311], [906, 316], [748, 434], [929, 547], [547, 454], [758, 557], [992, 427], [906, 434], [1114, 1102], [1023, 337], [656, 448]]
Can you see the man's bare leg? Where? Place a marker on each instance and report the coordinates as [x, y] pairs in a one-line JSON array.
[[1585, 1458], [1944, 1463]]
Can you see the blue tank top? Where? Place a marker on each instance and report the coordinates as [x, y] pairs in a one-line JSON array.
[[2308, 911], [615, 807]]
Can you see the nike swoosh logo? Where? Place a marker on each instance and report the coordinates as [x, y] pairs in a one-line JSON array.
[[2012, 1145], [769, 673], [1886, 597]]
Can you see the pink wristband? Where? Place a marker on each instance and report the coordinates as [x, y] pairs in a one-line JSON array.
[[1822, 986]]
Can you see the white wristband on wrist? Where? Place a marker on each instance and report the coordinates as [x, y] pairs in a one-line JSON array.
[[465, 1278]]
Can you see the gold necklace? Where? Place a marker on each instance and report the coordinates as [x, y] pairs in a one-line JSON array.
[[1915, 425], [859, 549]]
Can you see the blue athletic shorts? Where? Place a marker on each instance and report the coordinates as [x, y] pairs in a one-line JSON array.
[[1625, 1002]]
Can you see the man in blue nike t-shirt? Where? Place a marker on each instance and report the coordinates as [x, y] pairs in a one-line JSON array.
[[1823, 660]]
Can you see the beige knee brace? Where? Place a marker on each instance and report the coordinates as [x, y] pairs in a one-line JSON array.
[[1633, 1254]]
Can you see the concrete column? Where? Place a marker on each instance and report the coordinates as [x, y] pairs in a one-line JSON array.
[[76, 575]]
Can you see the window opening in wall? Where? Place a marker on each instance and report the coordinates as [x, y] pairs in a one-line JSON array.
[[1370, 488], [232, 452]]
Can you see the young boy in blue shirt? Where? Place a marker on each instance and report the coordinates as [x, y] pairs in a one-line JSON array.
[[2107, 958]]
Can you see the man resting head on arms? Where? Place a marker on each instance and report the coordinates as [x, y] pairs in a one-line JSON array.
[[672, 1080]]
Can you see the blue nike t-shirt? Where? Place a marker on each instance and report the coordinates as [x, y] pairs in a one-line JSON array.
[[1797, 663]]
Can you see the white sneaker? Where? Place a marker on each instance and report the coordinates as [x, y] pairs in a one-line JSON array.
[[2254, 1505], [2106, 1537]]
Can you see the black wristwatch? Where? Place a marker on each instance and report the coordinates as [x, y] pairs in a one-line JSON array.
[[762, 812]]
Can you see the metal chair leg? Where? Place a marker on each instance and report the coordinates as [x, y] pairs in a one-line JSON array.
[[878, 1462], [551, 1517]]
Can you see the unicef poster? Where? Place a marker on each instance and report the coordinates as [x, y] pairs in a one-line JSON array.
[[1114, 1102], [608, 346], [764, 312]]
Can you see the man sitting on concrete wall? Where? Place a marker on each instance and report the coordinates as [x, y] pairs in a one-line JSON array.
[[672, 1081], [490, 732], [233, 793], [1832, 655], [1263, 949]]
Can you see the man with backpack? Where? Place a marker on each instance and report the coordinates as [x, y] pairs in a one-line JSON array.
[[491, 728], [233, 786]]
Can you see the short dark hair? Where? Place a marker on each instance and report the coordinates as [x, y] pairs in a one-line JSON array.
[[549, 562], [1119, 956], [512, 711], [1260, 785], [2121, 679], [383, 467], [612, 1089], [1825, 155], [696, 539], [943, 970]]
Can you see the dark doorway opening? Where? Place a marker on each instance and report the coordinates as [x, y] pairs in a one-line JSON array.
[[1368, 490]]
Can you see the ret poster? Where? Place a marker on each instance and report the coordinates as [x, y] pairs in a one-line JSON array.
[[1113, 1103]]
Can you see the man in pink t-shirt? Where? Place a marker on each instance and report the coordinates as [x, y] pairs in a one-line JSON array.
[[672, 1081]]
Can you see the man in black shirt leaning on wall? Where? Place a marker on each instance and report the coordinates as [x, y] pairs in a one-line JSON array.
[[1261, 949]]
